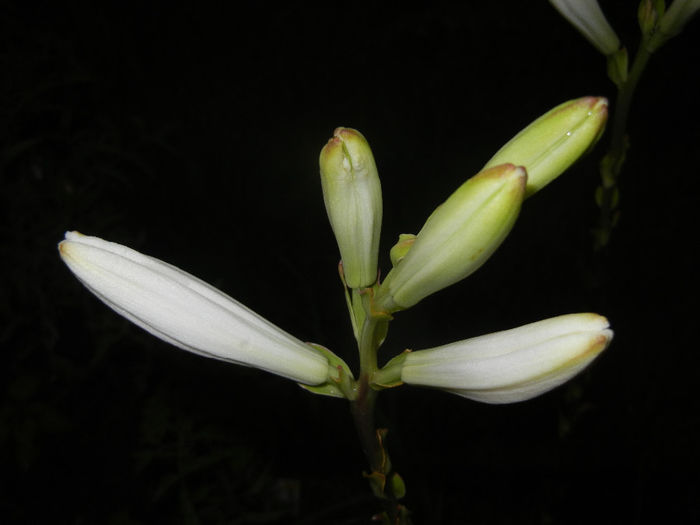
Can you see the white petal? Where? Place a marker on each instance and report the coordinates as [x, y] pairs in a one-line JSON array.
[[185, 311], [588, 18], [512, 365]]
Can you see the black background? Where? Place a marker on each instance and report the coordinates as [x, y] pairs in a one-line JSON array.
[[192, 133]]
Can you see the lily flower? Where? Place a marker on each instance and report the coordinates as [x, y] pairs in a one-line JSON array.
[[353, 197], [187, 312], [512, 365], [588, 18]]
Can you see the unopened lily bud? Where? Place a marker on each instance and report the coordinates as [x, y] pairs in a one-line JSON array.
[[458, 237], [553, 142], [587, 17], [673, 20], [188, 313], [353, 197], [513, 365], [648, 14]]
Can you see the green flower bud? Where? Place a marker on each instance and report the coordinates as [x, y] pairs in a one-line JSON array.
[[648, 15], [353, 198], [553, 142], [458, 237]]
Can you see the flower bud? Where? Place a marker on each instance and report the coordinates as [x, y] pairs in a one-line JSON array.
[[513, 365], [587, 17], [458, 237], [553, 142], [672, 22], [648, 14], [353, 198], [186, 312]]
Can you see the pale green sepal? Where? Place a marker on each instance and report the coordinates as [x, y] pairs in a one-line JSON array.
[[398, 486], [353, 198], [340, 379], [553, 142], [400, 249], [618, 67], [389, 376], [352, 309], [326, 389], [358, 309]]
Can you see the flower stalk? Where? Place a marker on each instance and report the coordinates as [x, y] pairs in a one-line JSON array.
[[456, 239]]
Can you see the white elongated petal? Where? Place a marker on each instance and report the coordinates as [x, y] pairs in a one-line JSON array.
[[680, 12], [512, 365], [187, 312], [588, 18]]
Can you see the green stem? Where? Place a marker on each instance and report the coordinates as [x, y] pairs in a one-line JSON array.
[[362, 409], [611, 165]]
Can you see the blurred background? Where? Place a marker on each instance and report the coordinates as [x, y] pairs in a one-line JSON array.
[[191, 132]]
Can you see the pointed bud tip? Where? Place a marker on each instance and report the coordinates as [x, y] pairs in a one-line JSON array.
[[594, 105], [515, 175], [346, 133], [63, 244], [597, 105], [502, 171]]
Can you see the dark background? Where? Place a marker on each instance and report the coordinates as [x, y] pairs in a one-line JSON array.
[[192, 133]]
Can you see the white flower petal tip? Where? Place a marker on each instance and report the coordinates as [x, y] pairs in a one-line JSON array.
[[588, 18], [512, 365], [186, 312]]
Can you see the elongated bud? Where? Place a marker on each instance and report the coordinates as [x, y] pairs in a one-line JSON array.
[[672, 22], [353, 197], [188, 313], [587, 17], [458, 237], [513, 365], [553, 142], [648, 14]]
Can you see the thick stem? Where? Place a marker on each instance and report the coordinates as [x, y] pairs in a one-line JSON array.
[[362, 408]]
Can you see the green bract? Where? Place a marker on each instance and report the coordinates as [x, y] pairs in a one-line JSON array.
[[353, 198], [553, 142], [458, 237]]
